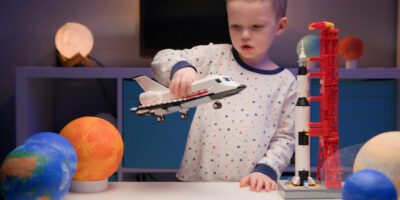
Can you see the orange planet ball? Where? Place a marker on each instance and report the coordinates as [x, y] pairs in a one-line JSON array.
[[98, 145], [351, 48]]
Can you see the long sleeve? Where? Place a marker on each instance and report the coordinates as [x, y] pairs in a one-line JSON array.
[[200, 57], [281, 147]]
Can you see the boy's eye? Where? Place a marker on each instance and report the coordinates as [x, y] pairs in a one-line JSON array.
[[257, 26], [235, 26]]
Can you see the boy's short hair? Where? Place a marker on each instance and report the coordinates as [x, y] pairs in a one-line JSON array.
[[280, 8], [278, 5]]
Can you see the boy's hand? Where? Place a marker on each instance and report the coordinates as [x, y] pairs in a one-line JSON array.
[[258, 181], [182, 80]]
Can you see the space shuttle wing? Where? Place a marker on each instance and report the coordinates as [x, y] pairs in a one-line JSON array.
[[170, 106], [148, 84]]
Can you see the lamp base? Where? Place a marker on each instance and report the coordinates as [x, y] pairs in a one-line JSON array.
[[75, 60], [89, 186]]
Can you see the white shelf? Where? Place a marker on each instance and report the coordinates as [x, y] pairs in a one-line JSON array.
[[33, 94], [175, 191]]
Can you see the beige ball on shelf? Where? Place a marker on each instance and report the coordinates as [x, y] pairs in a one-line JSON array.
[[381, 153]]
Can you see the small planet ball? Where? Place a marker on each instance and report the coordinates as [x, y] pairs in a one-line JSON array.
[[98, 145], [35, 171], [351, 48], [58, 142], [368, 184], [381, 153], [311, 44]]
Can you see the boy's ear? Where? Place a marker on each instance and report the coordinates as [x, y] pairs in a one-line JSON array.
[[282, 25]]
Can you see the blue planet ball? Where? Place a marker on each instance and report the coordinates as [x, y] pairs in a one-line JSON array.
[[60, 143], [311, 45], [35, 171], [368, 184]]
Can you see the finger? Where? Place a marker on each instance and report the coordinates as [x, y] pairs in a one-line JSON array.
[[273, 185], [188, 85], [253, 183], [244, 181], [182, 88], [174, 87], [194, 77], [260, 184], [188, 81], [267, 184]]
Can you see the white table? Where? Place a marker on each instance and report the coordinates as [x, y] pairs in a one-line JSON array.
[[175, 191]]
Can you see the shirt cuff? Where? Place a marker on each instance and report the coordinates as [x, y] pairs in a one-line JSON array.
[[179, 65], [265, 169]]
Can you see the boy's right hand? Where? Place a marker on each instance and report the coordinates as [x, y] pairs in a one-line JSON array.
[[182, 80]]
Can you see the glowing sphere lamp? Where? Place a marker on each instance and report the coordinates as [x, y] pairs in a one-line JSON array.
[[368, 184], [99, 148], [58, 142], [35, 171], [311, 45], [351, 49], [381, 153], [74, 42]]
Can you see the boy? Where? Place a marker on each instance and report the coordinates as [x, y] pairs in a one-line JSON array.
[[251, 138]]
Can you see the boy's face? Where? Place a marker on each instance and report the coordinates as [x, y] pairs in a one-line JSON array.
[[252, 27]]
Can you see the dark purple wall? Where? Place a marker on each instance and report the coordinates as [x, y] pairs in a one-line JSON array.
[[27, 30]]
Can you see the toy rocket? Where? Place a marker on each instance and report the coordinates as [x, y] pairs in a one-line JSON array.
[[302, 156]]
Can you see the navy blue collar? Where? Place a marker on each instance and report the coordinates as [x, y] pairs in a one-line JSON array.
[[260, 71]]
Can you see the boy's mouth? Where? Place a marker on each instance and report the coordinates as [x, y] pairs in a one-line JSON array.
[[246, 47]]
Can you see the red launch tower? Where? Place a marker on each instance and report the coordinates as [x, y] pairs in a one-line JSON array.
[[327, 127]]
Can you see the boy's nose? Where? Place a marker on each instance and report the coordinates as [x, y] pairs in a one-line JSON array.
[[246, 35]]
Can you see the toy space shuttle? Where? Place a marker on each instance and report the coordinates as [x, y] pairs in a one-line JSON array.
[[158, 101], [302, 110]]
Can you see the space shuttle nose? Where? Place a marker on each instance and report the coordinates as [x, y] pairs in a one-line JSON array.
[[241, 87]]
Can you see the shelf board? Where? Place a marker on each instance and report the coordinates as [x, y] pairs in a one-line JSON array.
[[129, 72], [362, 73], [82, 72]]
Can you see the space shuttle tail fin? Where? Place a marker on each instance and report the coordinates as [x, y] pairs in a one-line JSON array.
[[148, 84]]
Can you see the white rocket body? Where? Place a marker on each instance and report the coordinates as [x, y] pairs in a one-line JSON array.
[[302, 148]]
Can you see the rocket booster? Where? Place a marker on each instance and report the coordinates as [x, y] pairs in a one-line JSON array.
[[302, 148]]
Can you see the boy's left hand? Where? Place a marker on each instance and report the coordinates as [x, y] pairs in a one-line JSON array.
[[258, 181]]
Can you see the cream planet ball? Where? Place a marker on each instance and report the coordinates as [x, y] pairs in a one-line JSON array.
[[381, 153]]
